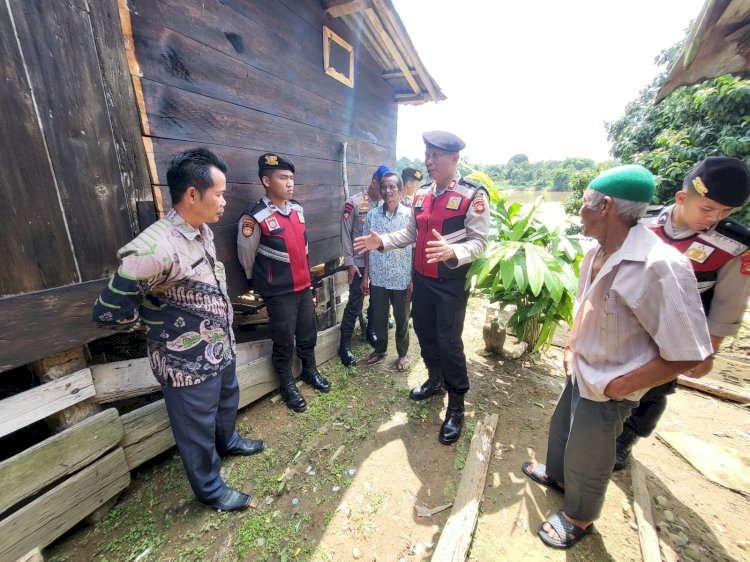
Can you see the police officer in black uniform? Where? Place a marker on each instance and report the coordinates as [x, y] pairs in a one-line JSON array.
[[718, 247], [449, 225], [272, 247]]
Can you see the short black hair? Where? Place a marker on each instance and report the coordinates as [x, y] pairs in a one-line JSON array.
[[395, 175], [192, 167]]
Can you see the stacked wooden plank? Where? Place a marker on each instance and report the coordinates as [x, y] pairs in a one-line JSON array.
[[53, 485]]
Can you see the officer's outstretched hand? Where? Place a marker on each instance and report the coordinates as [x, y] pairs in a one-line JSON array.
[[438, 249], [372, 241]]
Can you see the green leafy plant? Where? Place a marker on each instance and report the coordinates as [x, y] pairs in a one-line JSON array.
[[531, 263]]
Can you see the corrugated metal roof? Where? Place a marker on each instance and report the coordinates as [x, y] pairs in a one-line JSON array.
[[383, 34]]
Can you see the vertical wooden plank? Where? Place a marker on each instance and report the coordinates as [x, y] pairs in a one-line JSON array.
[[38, 254], [123, 112], [61, 60]]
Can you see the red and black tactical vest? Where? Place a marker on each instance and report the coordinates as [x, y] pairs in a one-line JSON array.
[[445, 213], [281, 262], [708, 251]]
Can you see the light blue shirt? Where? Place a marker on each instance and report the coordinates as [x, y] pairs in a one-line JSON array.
[[390, 270]]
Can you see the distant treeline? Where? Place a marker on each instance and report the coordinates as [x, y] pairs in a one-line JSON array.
[[549, 175]]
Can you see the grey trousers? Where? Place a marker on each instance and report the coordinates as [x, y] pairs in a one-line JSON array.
[[381, 300], [581, 449]]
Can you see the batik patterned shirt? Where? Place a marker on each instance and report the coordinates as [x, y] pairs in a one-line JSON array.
[[391, 270], [170, 281]]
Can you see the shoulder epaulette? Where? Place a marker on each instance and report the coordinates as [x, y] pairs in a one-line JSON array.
[[734, 230], [653, 210], [259, 211]]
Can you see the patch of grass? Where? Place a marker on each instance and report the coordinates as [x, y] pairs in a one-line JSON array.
[[462, 449], [259, 533], [192, 553], [420, 411]]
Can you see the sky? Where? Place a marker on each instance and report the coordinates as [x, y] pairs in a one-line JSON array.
[[534, 77]]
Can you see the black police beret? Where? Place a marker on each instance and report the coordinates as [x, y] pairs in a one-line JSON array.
[[273, 161], [411, 174], [721, 178], [443, 140]]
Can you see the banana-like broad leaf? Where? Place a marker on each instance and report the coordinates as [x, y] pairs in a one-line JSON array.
[[507, 271], [519, 271], [535, 268], [553, 284]]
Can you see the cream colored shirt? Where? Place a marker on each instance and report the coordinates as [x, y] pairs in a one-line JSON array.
[[643, 303]]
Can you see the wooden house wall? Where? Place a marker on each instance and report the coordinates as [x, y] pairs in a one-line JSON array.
[[73, 170], [244, 77]]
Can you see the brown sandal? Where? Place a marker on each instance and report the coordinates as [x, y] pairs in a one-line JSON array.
[[374, 358], [403, 364]]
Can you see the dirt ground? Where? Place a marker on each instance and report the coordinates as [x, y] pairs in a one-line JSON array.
[[309, 505]]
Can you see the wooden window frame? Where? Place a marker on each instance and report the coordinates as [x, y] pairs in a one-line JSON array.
[[328, 36]]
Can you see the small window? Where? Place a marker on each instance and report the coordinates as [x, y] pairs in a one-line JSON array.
[[338, 58]]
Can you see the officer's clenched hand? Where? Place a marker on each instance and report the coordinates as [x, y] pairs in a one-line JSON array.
[[370, 242], [353, 271], [438, 249]]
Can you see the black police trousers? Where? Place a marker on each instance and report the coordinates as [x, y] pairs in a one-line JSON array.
[[353, 310], [643, 419], [438, 310], [290, 317]]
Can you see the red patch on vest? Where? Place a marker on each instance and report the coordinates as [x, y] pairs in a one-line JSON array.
[[478, 205], [248, 227], [745, 262]]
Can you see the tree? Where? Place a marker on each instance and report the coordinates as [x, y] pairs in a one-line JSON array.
[[518, 159], [709, 119]]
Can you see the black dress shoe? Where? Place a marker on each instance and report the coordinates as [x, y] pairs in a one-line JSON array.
[[427, 389], [292, 397], [247, 447], [372, 338], [347, 357], [450, 431], [313, 377], [230, 500]]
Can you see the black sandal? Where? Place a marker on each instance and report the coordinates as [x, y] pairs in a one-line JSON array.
[[539, 475], [569, 533]]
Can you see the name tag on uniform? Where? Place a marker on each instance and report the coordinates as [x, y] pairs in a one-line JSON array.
[[699, 252], [419, 202], [272, 223], [301, 217], [454, 202]]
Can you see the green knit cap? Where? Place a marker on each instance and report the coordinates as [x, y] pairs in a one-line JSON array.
[[632, 182]]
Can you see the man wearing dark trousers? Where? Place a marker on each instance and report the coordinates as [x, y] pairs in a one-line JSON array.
[[272, 248], [352, 222], [718, 248], [450, 224], [170, 281]]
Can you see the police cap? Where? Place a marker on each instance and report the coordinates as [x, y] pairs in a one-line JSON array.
[[381, 171], [443, 140], [272, 161], [411, 174], [720, 178]]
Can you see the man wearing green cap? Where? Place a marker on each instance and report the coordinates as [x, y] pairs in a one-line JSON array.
[[637, 323], [698, 225]]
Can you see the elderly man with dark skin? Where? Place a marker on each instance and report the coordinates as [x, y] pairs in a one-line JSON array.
[[170, 280], [637, 323], [272, 248], [450, 224], [718, 247], [387, 277], [352, 222]]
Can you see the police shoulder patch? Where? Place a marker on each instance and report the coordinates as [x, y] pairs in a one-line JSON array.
[[248, 227], [745, 262], [478, 204]]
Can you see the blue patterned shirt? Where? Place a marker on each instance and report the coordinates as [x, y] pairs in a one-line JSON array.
[[391, 270], [171, 282]]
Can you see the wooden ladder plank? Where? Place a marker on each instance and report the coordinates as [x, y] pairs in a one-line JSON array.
[[48, 517], [33, 405], [39, 466]]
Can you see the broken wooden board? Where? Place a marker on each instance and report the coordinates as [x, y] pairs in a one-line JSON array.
[[64, 453], [647, 535], [722, 465], [723, 391], [458, 532], [41, 401], [52, 514]]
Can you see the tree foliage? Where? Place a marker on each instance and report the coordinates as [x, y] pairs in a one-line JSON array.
[[709, 119]]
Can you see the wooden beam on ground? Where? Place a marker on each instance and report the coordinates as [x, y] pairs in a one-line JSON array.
[[36, 404], [33, 556], [147, 432], [39, 466], [455, 539], [715, 389], [647, 535], [49, 516]]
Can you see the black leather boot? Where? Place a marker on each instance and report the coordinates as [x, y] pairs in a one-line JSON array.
[[432, 386], [372, 339], [345, 352], [312, 376], [289, 393], [450, 431], [625, 442]]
